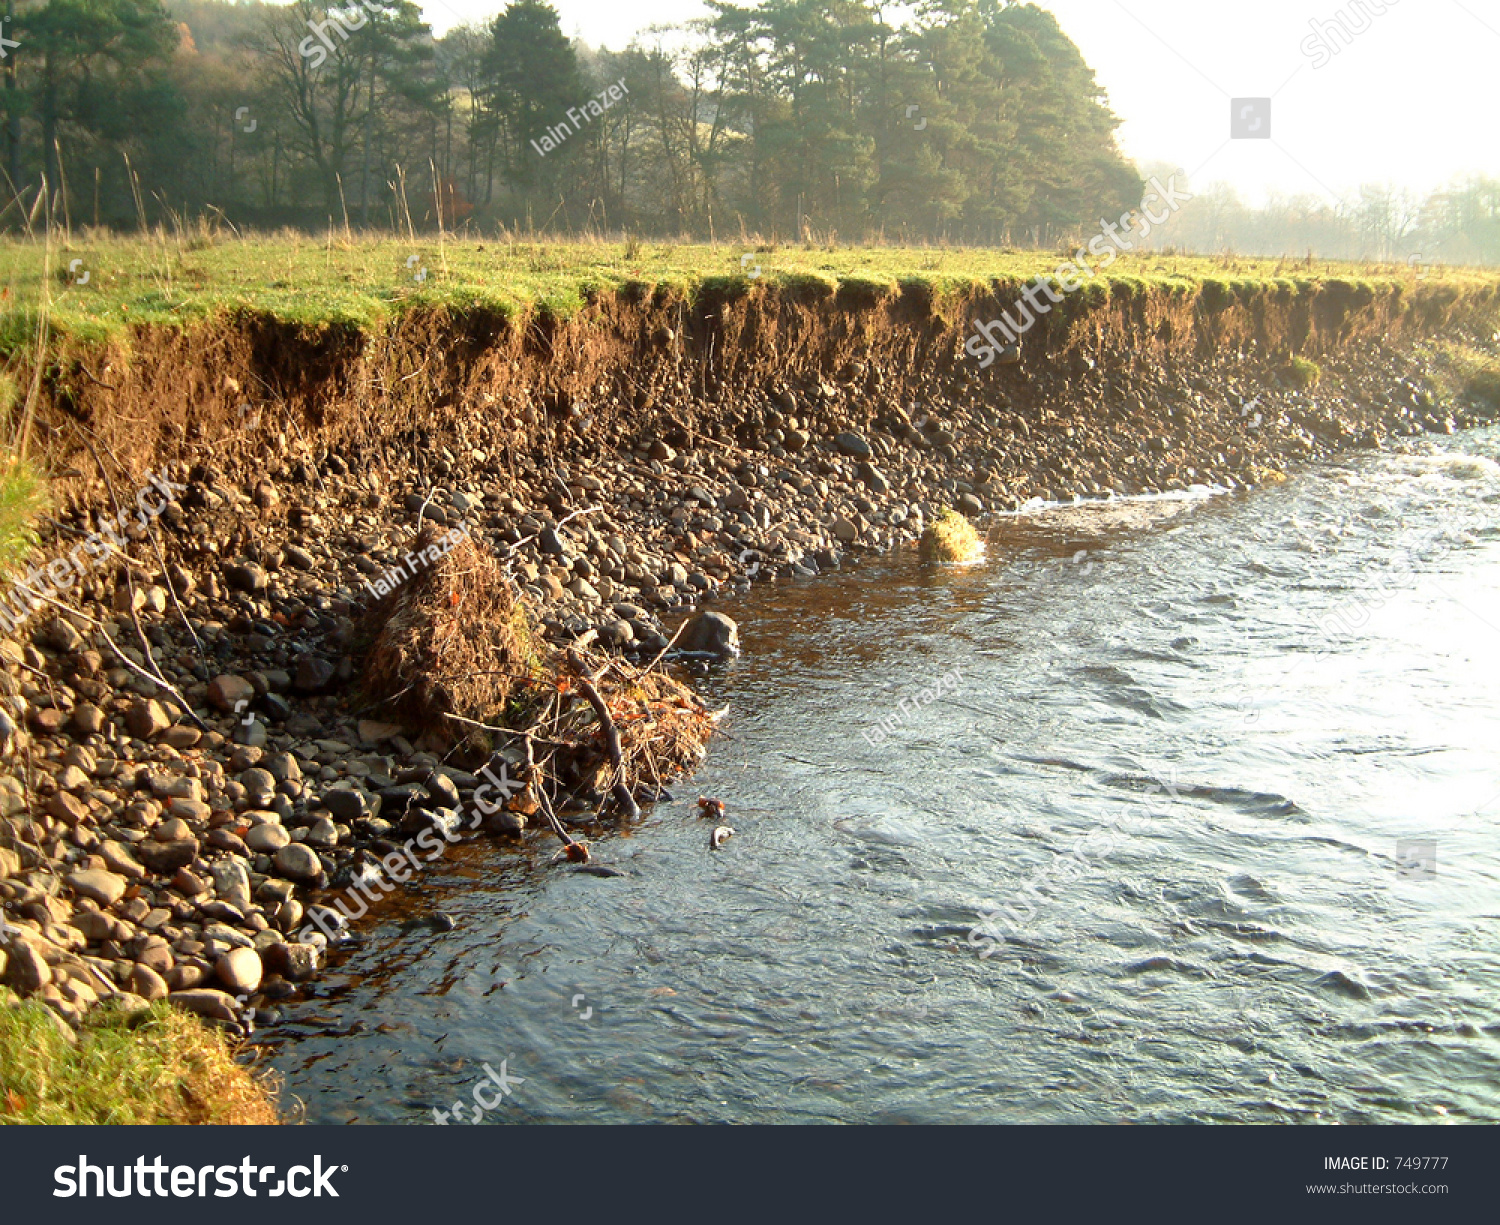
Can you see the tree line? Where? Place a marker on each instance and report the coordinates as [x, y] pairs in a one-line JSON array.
[[976, 121]]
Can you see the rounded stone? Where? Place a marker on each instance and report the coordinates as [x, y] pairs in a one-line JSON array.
[[147, 983], [239, 970], [103, 887], [298, 862], [147, 719], [267, 838]]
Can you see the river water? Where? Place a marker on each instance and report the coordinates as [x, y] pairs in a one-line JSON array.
[[1275, 713]]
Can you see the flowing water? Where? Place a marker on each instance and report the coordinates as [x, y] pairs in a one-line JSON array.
[[1274, 712]]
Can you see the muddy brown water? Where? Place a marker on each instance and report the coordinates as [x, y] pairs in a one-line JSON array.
[[1278, 706]]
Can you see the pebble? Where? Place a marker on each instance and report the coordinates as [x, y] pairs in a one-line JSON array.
[[206, 1002], [147, 983], [147, 719], [298, 863], [106, 888], [267, 839], [239, 970], [225, 692], [203, 825]]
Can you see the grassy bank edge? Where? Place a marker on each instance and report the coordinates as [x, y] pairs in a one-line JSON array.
[[157, 1066], [367, 283]]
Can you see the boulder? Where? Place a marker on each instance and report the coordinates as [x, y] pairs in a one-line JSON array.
[[711, 632]]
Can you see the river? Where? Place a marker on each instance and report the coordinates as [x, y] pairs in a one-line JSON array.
[[1275, 713]]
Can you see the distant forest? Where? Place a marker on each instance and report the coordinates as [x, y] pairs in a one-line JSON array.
[[978, 122], [981, 122]]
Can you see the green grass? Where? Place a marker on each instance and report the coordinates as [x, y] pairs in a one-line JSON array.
[[1303, 373], [365, 280], [23, 497], [23, 493], [159, 1067]]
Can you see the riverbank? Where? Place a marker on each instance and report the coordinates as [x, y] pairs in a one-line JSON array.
[[172, 825], [122, 1068]]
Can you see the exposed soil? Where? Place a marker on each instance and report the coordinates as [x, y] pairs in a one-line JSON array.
[[613, 473]]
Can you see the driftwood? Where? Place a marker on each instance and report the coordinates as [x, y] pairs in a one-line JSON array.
[[621, 789]]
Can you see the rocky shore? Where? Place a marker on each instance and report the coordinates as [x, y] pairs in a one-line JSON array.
[[153, 851]]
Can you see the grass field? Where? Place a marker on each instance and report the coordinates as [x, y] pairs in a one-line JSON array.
[[95, 286]]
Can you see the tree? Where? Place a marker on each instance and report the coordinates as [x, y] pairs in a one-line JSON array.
[[531, 79], [93, 72]]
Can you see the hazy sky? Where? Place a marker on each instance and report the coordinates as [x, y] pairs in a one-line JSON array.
[[1409, 99]]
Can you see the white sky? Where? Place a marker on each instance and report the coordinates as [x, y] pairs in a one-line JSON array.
[[1410, 101]]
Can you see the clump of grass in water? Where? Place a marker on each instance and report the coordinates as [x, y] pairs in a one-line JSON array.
[[162, 1066], [1303, 373], [950, 537]]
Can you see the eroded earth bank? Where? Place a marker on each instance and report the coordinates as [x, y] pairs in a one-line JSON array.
[[233, 718]]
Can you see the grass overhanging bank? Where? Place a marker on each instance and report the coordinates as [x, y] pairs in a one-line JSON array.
[[156, 1066], [240, 707]]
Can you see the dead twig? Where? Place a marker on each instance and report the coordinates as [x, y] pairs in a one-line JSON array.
[[572, 849], [505, 731], [125, 659], [161, 556], [96, 380], [620, 790]]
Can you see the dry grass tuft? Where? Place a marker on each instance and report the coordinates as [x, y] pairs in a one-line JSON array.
[[662, 728], [452, 639], [457, 640]]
